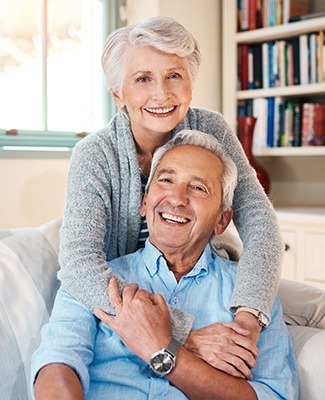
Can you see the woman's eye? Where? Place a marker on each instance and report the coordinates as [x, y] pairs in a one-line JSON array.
[[173, 76], [143, 79]]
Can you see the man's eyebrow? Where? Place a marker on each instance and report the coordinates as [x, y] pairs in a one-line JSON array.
[[165, 171]]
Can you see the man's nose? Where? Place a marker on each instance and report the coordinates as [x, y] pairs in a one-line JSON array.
[[178, 196]]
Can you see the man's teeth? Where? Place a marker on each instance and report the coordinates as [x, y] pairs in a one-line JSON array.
[[174, 218], [160, 110]]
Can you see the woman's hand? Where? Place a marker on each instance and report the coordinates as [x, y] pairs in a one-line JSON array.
[[142, 319], [225, 346]]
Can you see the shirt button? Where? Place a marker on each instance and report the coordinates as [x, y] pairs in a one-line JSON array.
[[175, 299]]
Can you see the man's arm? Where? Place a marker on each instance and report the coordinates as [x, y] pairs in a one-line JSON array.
[[57, 381], [143, 323]]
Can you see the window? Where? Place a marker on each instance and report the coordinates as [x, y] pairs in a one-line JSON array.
[[51, 80]]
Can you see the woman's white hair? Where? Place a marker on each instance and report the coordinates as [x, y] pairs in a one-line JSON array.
[[162, 33], [210, 143]]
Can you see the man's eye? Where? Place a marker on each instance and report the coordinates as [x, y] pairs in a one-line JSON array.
[[199, 188]]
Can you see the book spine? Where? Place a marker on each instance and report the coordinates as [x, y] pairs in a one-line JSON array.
[[303, 52], [243, 66], [250, 68], [257, 66], [244, 15], [266, 65], [296, 125], [251, 15], [306, 124], [270, 122]]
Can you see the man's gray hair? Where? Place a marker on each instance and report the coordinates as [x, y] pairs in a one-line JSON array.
[[210, 143], [162, 33]]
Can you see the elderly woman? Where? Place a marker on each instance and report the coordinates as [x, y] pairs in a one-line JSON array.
[[150, 68]]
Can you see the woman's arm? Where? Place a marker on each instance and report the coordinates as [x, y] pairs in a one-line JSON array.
[[102, 222], [259, 266]]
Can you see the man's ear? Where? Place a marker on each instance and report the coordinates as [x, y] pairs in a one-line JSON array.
[[144, 206], [224, 221], [118, 100]]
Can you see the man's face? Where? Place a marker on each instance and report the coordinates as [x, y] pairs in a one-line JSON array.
[[183, 204]]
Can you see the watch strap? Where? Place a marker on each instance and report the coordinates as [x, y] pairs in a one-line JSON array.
[[173, 347], [262, 319]]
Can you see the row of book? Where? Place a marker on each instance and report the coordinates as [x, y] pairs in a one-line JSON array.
[[283, 123], [296, 61], [255, 14]]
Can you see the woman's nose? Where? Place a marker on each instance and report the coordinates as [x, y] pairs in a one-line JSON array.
[[160, 91]]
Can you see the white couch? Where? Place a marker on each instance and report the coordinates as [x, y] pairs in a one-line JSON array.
[[28, 268]]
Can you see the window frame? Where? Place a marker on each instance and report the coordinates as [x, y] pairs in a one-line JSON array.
[[18, 143]]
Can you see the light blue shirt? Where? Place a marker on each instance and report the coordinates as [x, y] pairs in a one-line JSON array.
[[108, 370]]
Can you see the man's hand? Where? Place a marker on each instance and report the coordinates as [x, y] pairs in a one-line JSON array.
[[226, 347], [142, 319]]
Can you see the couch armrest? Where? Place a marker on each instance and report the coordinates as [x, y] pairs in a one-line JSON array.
[[28, 279]]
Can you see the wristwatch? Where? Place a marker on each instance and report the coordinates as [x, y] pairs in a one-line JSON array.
[[262, 319], [163, 361]]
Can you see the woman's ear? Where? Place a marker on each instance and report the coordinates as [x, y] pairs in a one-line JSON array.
[[118, 100], [144, 206], [223, 222]]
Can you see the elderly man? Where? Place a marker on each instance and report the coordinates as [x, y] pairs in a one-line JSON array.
[[133, 355]]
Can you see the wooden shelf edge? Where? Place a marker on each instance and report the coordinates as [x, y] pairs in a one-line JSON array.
[[285, 91], [290, 151], [280, 31]]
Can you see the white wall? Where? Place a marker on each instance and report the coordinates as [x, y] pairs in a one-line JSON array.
[[202, 19], [32, 190]]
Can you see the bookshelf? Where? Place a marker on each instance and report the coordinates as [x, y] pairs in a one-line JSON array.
[[297, 173]]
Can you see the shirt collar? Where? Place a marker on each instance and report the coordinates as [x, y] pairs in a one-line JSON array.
[[154, 259]]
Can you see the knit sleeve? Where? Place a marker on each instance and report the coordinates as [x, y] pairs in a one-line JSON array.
[[259, 267]]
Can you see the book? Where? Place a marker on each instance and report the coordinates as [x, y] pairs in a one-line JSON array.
[[288, 125], [313, 124], [298, 8], [270, 122], [266, 65], [296, 125], [252, 14], [304, 59], [296, 60], [243, 15], [243, 66], [250, 68], [257, 66], [260, 131]]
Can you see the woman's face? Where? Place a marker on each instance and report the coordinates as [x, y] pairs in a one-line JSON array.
[[156, 90]]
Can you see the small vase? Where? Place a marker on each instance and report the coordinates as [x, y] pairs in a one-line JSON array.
[[246, 127]]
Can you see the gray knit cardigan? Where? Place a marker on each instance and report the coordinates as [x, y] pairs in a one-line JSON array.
[[102, 220]]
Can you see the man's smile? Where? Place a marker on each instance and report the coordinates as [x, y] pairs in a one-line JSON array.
[[173, 218]]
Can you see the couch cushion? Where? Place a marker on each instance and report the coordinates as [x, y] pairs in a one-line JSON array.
[[28, 269], [309, 344], [302, 304]]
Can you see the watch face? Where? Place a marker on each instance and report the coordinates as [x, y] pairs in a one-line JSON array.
[[162, 363]]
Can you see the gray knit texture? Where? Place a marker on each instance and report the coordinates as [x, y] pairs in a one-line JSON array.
[[102, 217]]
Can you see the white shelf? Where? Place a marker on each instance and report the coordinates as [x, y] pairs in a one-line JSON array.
[[291, 151], [315, 214], [285, 91], [280, 31]]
